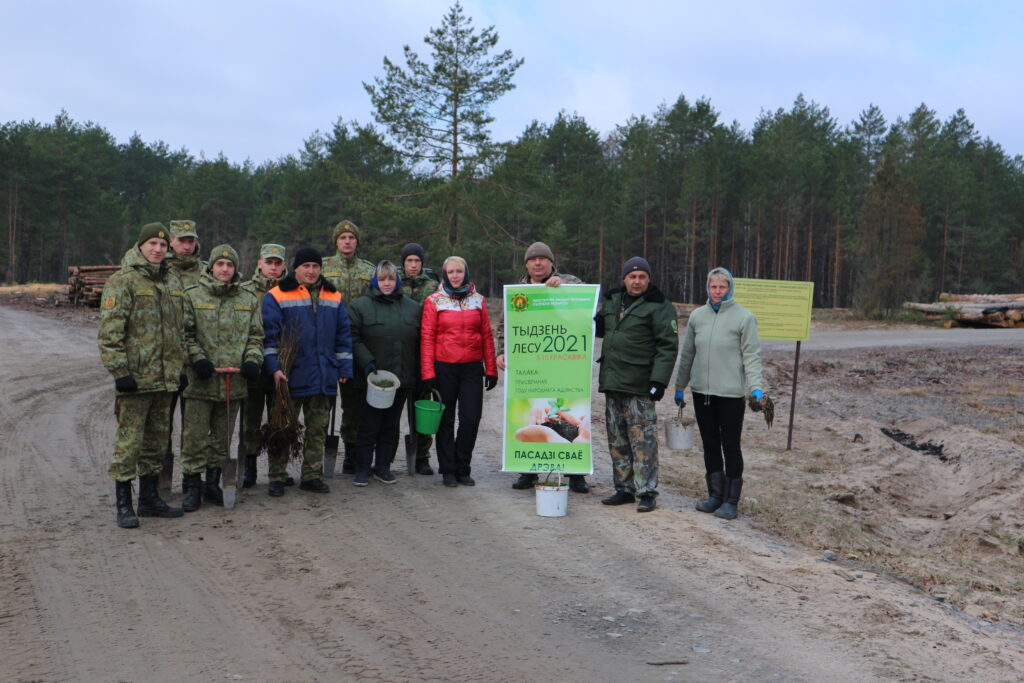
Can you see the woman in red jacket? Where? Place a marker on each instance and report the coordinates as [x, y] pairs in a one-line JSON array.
[[456, 353]]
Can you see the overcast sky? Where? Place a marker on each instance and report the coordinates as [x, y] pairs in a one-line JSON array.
[[254, 79]]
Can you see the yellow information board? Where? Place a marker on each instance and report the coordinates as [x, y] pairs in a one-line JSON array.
[[782, 307]]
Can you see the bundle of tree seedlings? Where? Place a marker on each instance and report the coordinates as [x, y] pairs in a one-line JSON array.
[[974, 310], [85, 284]]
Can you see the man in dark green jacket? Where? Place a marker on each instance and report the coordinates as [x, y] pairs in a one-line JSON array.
[[418, 282], [641, 340]]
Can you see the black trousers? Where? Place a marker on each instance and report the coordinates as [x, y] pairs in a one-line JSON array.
[[720, 420], [377, 432], [462, 387]]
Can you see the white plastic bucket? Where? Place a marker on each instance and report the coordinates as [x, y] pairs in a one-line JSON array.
[[678, 433], [552, 499], [381, 397]]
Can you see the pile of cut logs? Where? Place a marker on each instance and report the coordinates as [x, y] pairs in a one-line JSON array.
[[974, 310], [85, 284]]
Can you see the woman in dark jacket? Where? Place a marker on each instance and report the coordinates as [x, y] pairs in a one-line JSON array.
[[456, 352], [385, 336]]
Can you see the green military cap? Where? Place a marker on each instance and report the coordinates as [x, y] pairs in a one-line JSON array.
[[272, 251], [184, 228], [224, 251], [151, 230], [343, 227]]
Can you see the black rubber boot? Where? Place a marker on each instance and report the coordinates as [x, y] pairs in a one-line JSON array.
[[423, 467], [212, 492], [578, 484], [348, 465], [150, 502], [126, 518], [619, 498], [191, 487], [716, 492], [646, 503], [525, 481], [249, 478], [730, 508]]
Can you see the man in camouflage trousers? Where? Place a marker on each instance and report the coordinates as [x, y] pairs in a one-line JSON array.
[[539, 262], [641, 340], [222, 328], [269, 270], [140, 345], [418, 282], [350, 275]]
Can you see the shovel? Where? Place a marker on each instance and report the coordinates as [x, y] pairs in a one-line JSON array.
[[331, 445], [230, 470]]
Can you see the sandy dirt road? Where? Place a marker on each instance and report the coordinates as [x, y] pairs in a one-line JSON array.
[[413, 581]]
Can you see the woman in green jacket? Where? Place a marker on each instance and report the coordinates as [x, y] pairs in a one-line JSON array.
[[385, 336], [721, 362]]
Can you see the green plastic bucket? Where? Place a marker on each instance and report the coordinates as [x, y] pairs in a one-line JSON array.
[[428, 415]]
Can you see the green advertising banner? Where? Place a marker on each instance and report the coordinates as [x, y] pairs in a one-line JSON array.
[[549, 356]]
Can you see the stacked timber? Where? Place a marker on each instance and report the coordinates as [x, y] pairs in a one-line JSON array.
[[85, 284], [974, 310]]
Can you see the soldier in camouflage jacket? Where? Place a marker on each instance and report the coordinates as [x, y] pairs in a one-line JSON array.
[[140, 345], [222, 328], [183, 256]]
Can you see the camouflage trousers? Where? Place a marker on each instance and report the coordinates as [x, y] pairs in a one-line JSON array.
[[205, 438], [260, 397], [316, 414], [143, 432], [351, 396], [633, 442]]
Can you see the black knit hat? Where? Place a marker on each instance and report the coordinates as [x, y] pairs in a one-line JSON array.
[[151, 230], [307, 255], [413, 249], [635, 263]]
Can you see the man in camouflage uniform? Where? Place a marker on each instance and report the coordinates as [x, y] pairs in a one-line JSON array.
[[184, 254], [269, 270], [351, 276], [222, 328], [641, 340], [539, 261], [140, 345], [418, 282]]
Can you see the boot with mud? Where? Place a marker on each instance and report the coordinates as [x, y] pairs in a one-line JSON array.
[[126, 518], [730, 508], [525, 481], [249, 478], [191, 487], [619, 498], [423, 467], [716, 492], [212, 492], [150, 502], [647, 503]]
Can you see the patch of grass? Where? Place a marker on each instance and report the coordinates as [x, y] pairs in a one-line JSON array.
[[920, 393], [814, 469], [33, 288]]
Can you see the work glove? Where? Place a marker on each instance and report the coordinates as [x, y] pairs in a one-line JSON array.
[[126, 384], [757, 394], [369, 368], [203, 368], [250, 369], [490, 382], [680, 399], [182, 382], [657, 391], [428, 386]]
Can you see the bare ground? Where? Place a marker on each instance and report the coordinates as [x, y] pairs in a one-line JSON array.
[[419, 582]]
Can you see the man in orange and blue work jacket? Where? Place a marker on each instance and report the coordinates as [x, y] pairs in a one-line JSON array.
[[309, 307]]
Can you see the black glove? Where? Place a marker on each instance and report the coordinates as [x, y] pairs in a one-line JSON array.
[[182, 382], [203, 368], [369, 368], [427, 386], [126, 384], [250, 370], [490, 382], [657, 391]]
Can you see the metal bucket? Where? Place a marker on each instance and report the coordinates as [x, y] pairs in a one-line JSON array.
[[679, 433]]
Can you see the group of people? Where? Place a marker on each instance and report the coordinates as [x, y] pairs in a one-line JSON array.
[[173, 326]]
